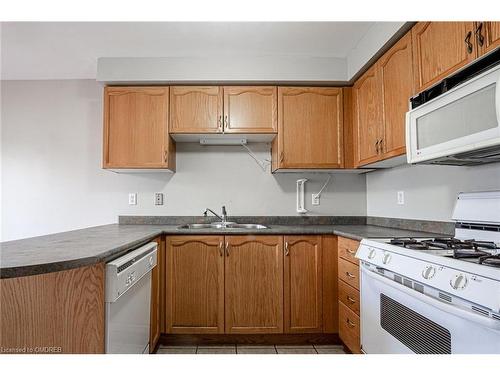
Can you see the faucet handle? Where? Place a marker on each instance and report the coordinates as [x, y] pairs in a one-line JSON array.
[[224, 210]]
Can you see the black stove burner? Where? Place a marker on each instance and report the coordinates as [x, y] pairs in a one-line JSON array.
[[490, 260]]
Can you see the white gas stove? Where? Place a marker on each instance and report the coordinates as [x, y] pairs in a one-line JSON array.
[[435, 295]]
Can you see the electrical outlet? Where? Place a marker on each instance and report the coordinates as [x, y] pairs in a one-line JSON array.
[[132, 199], [159, 199], [401, 197], [315, 200]]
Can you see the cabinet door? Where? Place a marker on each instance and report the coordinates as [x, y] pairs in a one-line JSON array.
[[440, 48], [487, 36], [309, 128], [195, 284], [195, 109], [303, 284], [254, 284], [154, 330], [368, 130], [250, 109], [396, 75], [136, 128]]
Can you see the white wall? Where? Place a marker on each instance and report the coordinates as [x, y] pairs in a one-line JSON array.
[[430, 191], [52, 178]]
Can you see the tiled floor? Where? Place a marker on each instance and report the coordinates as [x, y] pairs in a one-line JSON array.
[[252, 349]]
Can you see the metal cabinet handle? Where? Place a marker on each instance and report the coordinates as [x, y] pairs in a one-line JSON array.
[[351, 324], [351, 300], [227, 249], [226, 121], [287, 250], [348, 274], [479, 34], [376, 146], [467, 42], [219, 121], [352, 252], [282, 156], [381, 148], [220, 248], [165, 156]]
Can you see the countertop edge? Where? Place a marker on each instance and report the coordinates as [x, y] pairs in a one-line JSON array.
[[110, 254]]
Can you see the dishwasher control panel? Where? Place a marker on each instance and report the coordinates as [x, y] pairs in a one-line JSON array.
[[122, 273]]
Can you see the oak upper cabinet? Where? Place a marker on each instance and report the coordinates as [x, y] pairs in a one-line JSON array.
[[254, 284], [155, 311], [310, 129], [250, 109], [136, 129], [195, 109], [194, 284], [303, 284], [487, 36], [368, 130], [440, 48], [396, 76]]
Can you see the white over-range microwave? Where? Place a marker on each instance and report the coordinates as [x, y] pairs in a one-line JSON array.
[[461, 125]]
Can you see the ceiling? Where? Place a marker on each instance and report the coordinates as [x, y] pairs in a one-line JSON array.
[[69, 50]]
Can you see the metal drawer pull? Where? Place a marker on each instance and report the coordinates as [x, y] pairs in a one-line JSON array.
[[348, 274], [351, 324], [352, 252], [220, 249], [351, 300], [227, 249], [479, 35], [287, 251], [468, 43]]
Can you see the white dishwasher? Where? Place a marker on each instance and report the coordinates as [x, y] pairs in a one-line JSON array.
[[128, 298]]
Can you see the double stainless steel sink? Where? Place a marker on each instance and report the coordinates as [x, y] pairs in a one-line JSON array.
[[223, 225]]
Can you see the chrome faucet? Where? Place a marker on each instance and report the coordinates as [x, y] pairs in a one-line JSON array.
[[222, 218]]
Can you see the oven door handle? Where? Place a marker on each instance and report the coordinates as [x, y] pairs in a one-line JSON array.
[[461, 313]]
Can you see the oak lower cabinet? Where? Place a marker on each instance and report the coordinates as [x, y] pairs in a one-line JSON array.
[[254, 284], [348, 294], [439, 49], [310, 129], [194, 284], [136, 129], [156, 289], [303, 284]]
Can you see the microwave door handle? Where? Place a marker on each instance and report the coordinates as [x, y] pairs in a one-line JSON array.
[[461, 313]]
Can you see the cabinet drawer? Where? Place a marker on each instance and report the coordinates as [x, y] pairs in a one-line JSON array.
[[349, 273], [347, 249], [349, 296], [349, 328]]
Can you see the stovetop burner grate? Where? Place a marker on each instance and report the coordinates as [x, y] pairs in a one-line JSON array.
[[458, 249]]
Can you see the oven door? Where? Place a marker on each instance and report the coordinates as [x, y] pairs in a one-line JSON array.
[[397, 319]]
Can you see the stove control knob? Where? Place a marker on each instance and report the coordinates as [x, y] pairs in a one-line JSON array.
[[459, 282], [372, 253], [428, 272], [386, 258]]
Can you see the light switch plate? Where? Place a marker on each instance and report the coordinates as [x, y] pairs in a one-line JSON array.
[[401, 197], [132, 199]]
